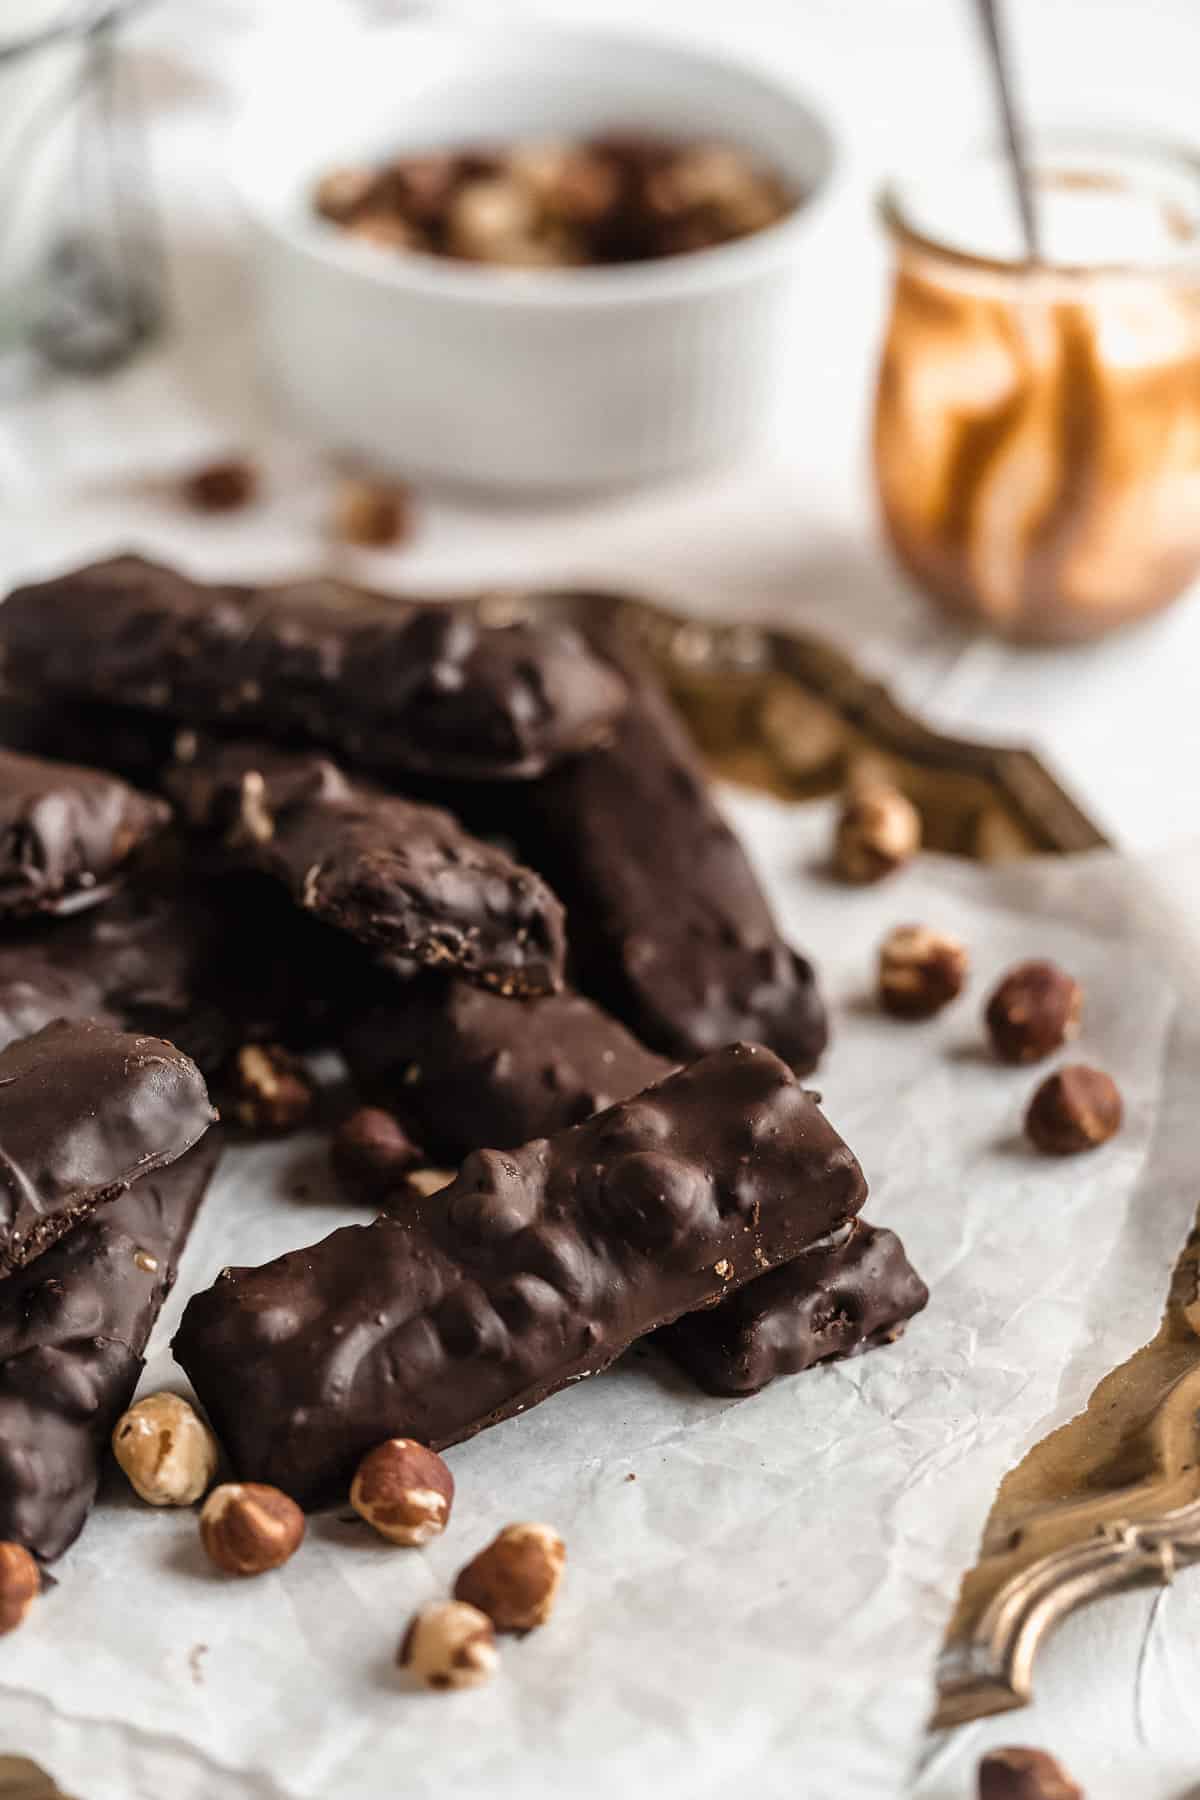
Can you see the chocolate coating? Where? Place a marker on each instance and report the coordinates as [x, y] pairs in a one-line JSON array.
[[405, 879], [84, 1110], [391, 683], [465, 1068], [832, 1301], [73, 1326], [668, 925], [65, 831], [535, 1267]]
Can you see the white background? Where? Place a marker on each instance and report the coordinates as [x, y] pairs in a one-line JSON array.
[[789, 537]]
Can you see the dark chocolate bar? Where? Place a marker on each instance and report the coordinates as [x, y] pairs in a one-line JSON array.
[[534, 1268], [211, 963], [84, 1110], [668, 925], [402, 878], [73, 1326], [464, 1068], [65, 833], [393, 684], [832, 1301]]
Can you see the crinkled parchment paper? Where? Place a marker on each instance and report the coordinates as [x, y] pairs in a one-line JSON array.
[[756, 1589]]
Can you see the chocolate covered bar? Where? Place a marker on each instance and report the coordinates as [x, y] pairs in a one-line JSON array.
[[464, 1068], [832, 1301], [402, 878], [534, 1268], [85, 1110], [393, 684], [65, 832], [73, 1326], [668, 925]]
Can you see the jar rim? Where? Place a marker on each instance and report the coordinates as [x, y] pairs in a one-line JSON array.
[[1167, 154]]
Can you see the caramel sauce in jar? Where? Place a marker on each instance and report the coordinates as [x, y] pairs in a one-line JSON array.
[[1037, 425]]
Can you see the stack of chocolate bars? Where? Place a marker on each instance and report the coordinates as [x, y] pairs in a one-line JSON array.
[[483, 862]]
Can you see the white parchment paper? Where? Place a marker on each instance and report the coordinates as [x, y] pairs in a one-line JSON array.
[[756, 1589]]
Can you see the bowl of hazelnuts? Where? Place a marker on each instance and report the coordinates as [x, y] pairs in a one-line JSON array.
[[551, 259]]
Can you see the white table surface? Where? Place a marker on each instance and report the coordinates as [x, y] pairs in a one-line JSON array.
[[789, 538]]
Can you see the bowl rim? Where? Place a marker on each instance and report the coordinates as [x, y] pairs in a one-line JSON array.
[[615, 285]]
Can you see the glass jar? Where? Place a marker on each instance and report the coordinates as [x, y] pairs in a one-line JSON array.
[[1037, 425]]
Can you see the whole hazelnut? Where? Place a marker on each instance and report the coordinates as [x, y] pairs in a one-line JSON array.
[[515, 1580], [221, 486], [273, 1091], [449, 1645], [166, 1450], [920, 971], [340, 193], [1074, 1109], [373, 514], [247, 1527], [1033, 1012], [20, 1585], [1018, 1774], [372, 1152], [404, 1490], [878, 831]]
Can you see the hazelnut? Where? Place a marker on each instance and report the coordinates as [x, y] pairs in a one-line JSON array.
[[515, 1580], [372, 1152], [497, 220], [920, 971], [449, 1645], [569, 181], [1017, 1774], [386, 230], [404, 1490], [372, 514], [1074, 1109], [1033, 1012], [166, 1450], [273, 1090], [247, 1527], [221, 486], [20, 1585], [879, 830], [341, 193]]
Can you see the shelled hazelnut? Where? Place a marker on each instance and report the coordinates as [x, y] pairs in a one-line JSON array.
[[221, 486], [878, 831], [449, 1645], [372, 1153], [1073, 1110], [1019, 1774], [515, 1580], [248, 1527], [166, 1450], [404, 1490], [920, 971], [20, 1585], [372, 514], [273, 1092], [1034, 1011]]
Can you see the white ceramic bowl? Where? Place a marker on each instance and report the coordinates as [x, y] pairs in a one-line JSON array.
[[532, 380]]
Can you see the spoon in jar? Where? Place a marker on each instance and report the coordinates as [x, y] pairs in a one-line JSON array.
[[1014, 133]]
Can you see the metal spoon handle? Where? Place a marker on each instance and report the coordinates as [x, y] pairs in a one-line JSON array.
[[1014, 135]]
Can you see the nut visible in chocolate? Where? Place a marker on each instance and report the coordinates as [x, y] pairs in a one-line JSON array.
[[516, 1579], [166, 1450], [1075, 1109], [1015, 1773], [1034, 1011], [372, 1153], [920, 971], [878, 831], [221, 486], [273, 1092], [404, 1490], [248, 1527], [449, 1645], [20, 1585]]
